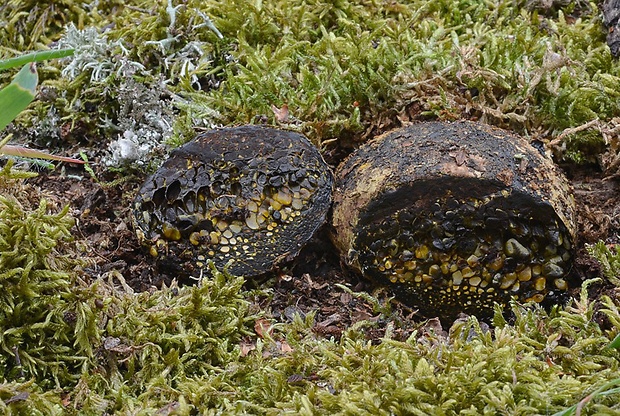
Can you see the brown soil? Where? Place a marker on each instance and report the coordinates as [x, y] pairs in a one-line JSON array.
[[315, 280]]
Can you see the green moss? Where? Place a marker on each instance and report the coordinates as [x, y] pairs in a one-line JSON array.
[[60, 333], [331, 60], [346, 70], [47, 323], [31, 24], [155, 342], [28, 399], [538, 366], [609, 258]]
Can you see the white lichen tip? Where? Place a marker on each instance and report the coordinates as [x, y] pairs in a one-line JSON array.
[[93, 52], [208, 23]]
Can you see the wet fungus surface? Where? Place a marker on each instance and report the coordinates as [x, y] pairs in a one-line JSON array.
[[455, 217], [247, 197]]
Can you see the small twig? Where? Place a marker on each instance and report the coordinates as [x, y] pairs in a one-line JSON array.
[[18, 361], [573, 130], [581, 404]]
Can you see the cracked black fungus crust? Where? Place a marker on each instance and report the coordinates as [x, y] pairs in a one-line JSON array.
[[455, 217], [248, 197]]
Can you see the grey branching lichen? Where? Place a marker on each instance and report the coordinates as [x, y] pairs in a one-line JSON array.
[[143, 116], [95, 54], [145, 122], [144, 95]]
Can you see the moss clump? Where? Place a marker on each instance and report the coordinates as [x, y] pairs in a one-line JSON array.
[[540, 365], [609, 258], [29, 399], [537, 366], [346, 69], [190, 331], [95, 340], [32, 24], [47, 323], [155, 342]]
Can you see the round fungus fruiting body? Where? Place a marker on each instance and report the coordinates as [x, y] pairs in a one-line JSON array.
[[247, 197], [455, 217]]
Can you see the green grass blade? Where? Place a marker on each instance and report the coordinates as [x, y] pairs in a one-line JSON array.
[[27, 78], [604, 390], [566, 412], [15, 97], [616, 342], [35, 57]]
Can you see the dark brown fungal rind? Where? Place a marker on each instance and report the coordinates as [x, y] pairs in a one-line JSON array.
[[250, 196], [455, 216]]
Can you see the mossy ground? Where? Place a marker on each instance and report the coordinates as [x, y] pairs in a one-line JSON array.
[[76, 339]]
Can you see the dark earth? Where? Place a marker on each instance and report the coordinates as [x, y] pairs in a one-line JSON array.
[[316, 279]]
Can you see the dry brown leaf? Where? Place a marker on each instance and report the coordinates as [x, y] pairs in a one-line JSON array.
[[285, 347], [263, 327], [281, 114], [246, 348]]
